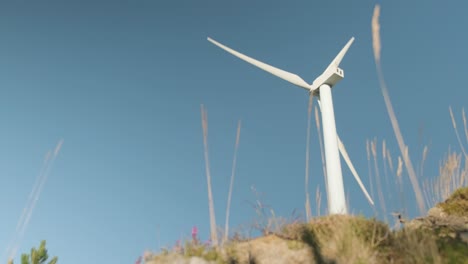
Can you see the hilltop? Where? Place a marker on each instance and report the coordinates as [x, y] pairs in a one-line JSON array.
[[439, 237]]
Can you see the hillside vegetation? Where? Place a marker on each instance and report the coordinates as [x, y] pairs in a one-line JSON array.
[[439, 237]]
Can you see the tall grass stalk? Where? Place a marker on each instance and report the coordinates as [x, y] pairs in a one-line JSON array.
[[399, 180], [388, 166], [390, 161], [318, 200], [322, 153], [214, 236], [396, 128], [423, 160], [307, 159], [384, 161], [10, 250], [38, 186], [456, 131], [464, 123], [369, 169], [378, 180], [233, 171]]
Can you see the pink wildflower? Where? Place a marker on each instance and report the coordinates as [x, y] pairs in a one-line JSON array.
[[194, 234], [138, 260]]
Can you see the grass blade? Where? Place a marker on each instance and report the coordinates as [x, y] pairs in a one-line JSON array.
[[376, 44], [307, 203], [214, 236], [234, 162]]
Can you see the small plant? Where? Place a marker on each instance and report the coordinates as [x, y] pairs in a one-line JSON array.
[[37, 256], [457, 203], [266, 221], [193, 250]]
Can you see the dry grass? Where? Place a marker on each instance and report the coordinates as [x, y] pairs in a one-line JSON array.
[[318, 200], [354, 239], [36, 191], [453, 171], [322, 152], [416, 246], [214, 236], [341, 242], [307, 202], [454, 123], [332, 239], [233, 171], [396, 128], [452, 175], [369, 169], [373, 145], [385, 169]]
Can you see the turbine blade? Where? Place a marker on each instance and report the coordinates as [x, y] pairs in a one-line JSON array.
[[353, 171], [290, 77], [345, 156], [336, 62]]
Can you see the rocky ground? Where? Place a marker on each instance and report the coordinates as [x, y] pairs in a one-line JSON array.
[[439, 237]]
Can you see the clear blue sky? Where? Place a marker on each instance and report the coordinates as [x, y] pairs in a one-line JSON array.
[[122, 82]]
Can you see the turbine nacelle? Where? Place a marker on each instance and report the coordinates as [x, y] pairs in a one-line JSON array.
[[329, 77], [332, 74]]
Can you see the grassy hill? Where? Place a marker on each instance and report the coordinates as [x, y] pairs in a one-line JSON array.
[[439, 237]]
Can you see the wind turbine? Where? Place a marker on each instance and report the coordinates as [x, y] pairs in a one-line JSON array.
[[321, 88]]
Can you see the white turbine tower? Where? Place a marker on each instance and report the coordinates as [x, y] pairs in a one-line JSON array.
[[320, 87]]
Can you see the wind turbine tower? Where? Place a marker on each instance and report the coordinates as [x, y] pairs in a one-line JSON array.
[[320, 88]]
